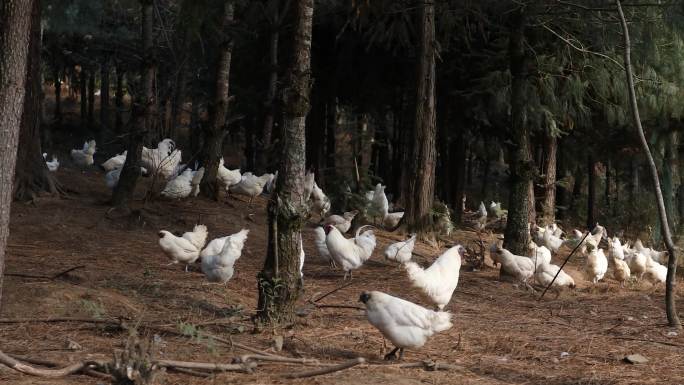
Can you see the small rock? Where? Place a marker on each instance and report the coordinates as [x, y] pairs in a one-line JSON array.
[[635, 359], [644, 316], [630, 318], [564, 354], [592, 313], [278, 343], [555, 360], [502, 359], [672, 334], [73, 345]]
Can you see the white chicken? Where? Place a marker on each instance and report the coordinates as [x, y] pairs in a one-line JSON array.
[[597, 264], [216, 245], [178, 249], [227, 176], [522, 268], [271, 185], [496, 210], [112, 178], [658, 256], [404, 323], [251, 185], [636, 261], [545, 273], [615, 249], [117, 161], [350, 254], [198, 236], [401, 251], [655, 272], [391, 220], [539, 254], [322, 247], [218, 267], [481, 221], [309, 182], [195, 182], [554, 229], [342, 222], [320, 201], [52, 165], [163, 160], [379, 205], [84, 156], [621, 270], [439, 280], [180, 186]]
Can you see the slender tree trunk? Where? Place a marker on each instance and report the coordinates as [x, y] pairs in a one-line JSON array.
[[119, 99], [591, 192], [214, 132], [576, 189], [670, 305], [549, 206], [15, 23], [421, 183], [83, 83], [142, 112], [91, 98], [279, 282], [104, 93], [517, 235], [58, 93], [457, 157], [270, 101], [31, 174], [606, 191], [469, 168], [670, 165]]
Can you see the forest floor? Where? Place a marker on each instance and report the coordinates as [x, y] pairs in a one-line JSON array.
[[502, 334]]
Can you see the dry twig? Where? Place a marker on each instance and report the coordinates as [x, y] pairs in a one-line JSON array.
[[331, 369]]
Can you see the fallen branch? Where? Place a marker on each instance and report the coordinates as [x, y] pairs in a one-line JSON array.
[[331, 292], [48, 373], [258, 357], [50, 277], [247, 367], [53, 364], [191, 372], [331, 369], [59, 319], [429, 365], [338, 307]]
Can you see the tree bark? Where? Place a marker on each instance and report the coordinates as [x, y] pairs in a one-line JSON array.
[[517, 236], [118, 99], [549, 206], [270, 100], [15, 22], [91, 98], [32, 175], [279, 282], [83, 83], [58, 92], [142, 113], [606, 191], [591, 192], [104, 93], [457, 155], [421, 183], [214, 132], [670, 305]]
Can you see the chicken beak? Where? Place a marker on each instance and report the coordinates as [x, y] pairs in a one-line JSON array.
[[161, 234]]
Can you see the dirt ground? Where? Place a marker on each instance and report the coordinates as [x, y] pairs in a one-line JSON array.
[[502, 334]]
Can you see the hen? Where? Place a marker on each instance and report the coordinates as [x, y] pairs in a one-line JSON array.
[[178, 249], [391, 220], [350, 254], [655, 272], [163, 160], [180, 186], [404, 323], [342, 222], [481, 221], [320, 201], [621, 270], [597, 264], [539, 254], [218, 267], [378, 204], [251, 185], [439, 280], [52, 165], [84, 157], [117, 161], [401, 251], [195, 182], [636, 262], [522, 268], [545, 273], [227, 176], [198, 236], [322, 247]]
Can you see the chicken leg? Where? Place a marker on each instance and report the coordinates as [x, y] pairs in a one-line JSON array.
[[391, 356]]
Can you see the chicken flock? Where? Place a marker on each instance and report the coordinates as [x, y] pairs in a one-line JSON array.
[[405, 324]]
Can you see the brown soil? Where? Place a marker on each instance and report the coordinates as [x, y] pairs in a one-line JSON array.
[[502, 334]]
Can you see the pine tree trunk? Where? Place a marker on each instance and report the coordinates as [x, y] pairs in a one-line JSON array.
[[142, 113], [458, 160], [104, 93], [31, 174], [58, 93], [279, 282], [670, 304], [270, 101], [214, 132], [549, 207], [669, 170], [15, 23], [83, 83], [119, 99], [91, 98], [421, 183], [591, 192], [517, 236]]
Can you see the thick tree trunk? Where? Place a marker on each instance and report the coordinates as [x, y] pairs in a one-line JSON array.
[[83, 83], [142, 112], [549, 206], [118, 99], [104, 93], [517, 235], [15, 23], [58, 92], [670, 305], [591, 192], [91, 98], [421, 183], [32, 175], [214, 132], [280, 282], [270, 101]]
